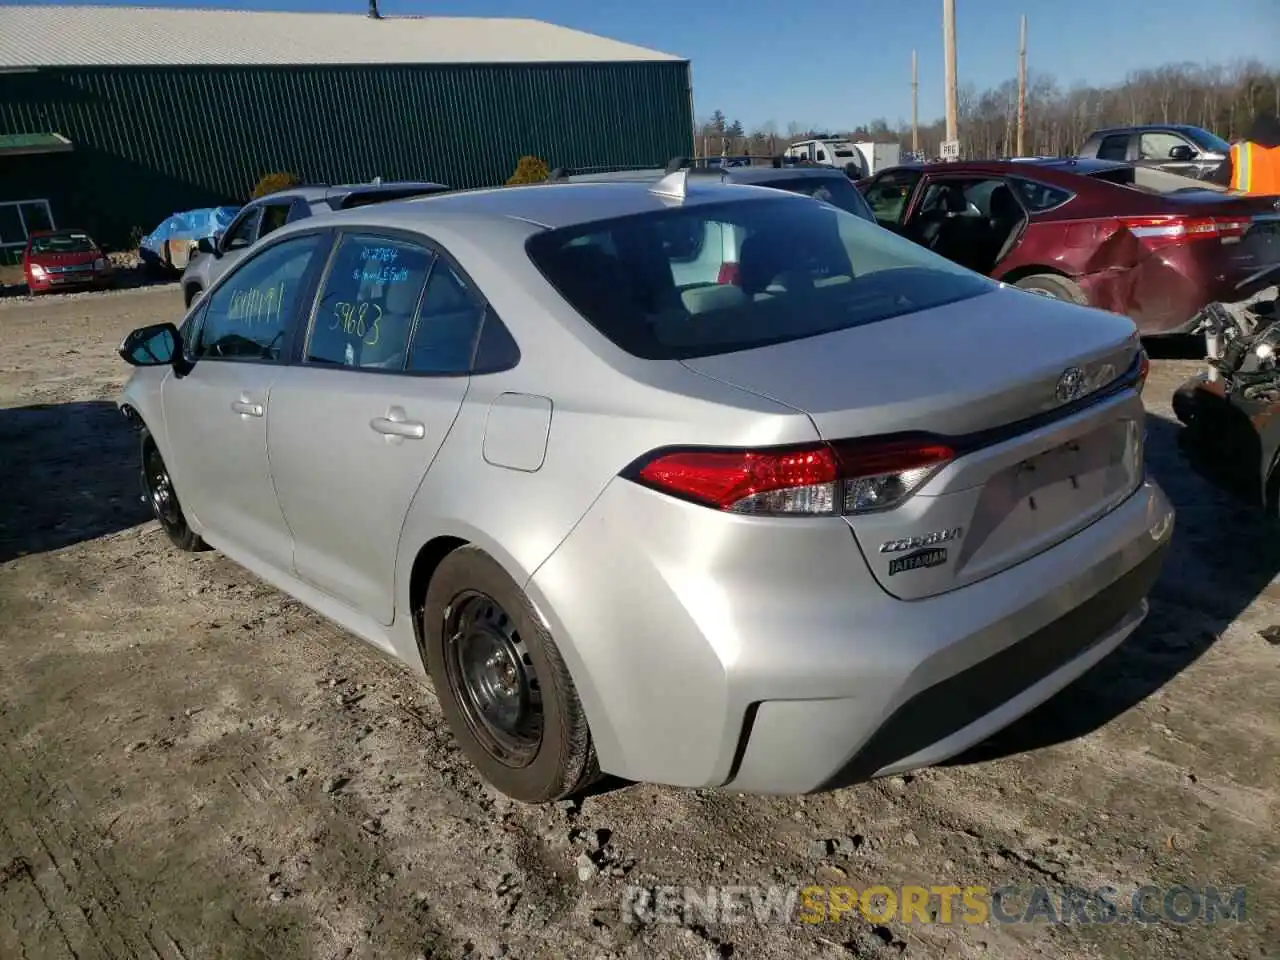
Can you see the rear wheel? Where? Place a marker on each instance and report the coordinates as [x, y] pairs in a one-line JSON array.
[[157, 489], [1053, 286], [503, 686]]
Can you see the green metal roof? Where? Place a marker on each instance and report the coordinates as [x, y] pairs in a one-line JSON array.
[[14, 144]]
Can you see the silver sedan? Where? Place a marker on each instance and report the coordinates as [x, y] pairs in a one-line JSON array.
[[693, 483]]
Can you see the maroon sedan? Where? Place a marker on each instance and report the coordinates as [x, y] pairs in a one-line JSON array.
[[1145, 243], [65, 259]]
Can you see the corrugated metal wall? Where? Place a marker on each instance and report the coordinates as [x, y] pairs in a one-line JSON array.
[[151, 141]]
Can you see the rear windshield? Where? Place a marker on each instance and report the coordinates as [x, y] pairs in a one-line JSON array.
[[63, 243], [717, 278], [837, 191], [364, 198]]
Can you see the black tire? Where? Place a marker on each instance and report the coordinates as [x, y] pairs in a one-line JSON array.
[[472, 607], [157, 490], [1053, 286]]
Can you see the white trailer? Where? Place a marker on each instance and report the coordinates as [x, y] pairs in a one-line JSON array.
[[877, 156]]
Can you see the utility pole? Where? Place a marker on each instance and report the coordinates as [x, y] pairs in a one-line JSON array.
[[949, 61], [1022, 85], [915, 100]]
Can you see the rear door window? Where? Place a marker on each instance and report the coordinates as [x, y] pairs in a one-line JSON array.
[[274, 216], [368, 303], [801, 269], [1039, 197], [1114, 146], [452, 313]]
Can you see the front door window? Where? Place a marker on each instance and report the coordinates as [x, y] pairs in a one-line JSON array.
[[889, 194], [244, 231], [249, 314]]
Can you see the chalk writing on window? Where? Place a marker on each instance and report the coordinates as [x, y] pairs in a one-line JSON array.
[[384, 274], [358, 320], [255, 306], [379, 266]]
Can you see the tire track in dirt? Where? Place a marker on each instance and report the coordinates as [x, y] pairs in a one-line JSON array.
[[90, 900]]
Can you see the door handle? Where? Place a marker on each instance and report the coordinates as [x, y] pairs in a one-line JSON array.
[[409, 429], [246, 408]]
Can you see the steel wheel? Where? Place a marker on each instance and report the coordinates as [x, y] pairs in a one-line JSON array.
[[491, 676], [159, 489]]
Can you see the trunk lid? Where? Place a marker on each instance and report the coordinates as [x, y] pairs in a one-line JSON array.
[[986, 373]]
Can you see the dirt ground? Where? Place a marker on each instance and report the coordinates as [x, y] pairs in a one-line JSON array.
[[193, 765]]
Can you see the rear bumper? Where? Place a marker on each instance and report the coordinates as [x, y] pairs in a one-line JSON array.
[[713, 650]]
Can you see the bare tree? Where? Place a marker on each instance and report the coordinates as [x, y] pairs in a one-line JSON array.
[[1223, 99]]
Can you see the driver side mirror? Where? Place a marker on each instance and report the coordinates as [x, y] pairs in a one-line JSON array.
[[157, 345], [1181, 153], [209, 245]]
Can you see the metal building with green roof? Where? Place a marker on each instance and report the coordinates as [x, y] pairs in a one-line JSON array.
[[113, 118]]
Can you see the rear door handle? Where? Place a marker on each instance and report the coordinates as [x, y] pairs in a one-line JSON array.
[[409, 429], [246, 408]]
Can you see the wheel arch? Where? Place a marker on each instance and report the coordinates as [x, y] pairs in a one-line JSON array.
[[421, 567], [1031, 270]]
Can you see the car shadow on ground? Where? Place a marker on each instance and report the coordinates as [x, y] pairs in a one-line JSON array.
[[69, 474], [1225, 554]]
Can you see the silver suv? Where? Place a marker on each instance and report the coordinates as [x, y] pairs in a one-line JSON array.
[[267, 214]]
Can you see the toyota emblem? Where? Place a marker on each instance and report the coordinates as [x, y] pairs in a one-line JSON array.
[[1070, 385]]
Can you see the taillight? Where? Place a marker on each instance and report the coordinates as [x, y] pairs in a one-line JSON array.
[[1173, 230], [1144, 368], [728, 273], [812, 480], [880, 475]]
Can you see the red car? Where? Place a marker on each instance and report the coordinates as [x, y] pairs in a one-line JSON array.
[[65, 259], [1144, 243]]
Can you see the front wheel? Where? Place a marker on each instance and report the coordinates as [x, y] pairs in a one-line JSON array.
[[157, 490], [1053, 286], [503, 686]]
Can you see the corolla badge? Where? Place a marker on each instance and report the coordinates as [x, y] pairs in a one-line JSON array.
[[1070, 385], [926, 540]]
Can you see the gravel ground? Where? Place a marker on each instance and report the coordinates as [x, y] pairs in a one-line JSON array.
[[193, 765]]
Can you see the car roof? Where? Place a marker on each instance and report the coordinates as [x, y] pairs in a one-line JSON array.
[[64, 232], [1146, 128], [732, 174], [1075, 165], [321, 192], [552, 205]]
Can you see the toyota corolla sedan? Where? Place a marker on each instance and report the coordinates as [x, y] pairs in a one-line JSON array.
[[836, 509]]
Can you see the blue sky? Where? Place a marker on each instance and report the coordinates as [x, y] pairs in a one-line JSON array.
[[835, 64]]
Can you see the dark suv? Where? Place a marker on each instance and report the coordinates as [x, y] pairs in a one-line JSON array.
[[260, 217], [815, 180]]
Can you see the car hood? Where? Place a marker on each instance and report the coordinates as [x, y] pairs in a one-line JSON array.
[[63, 259]]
